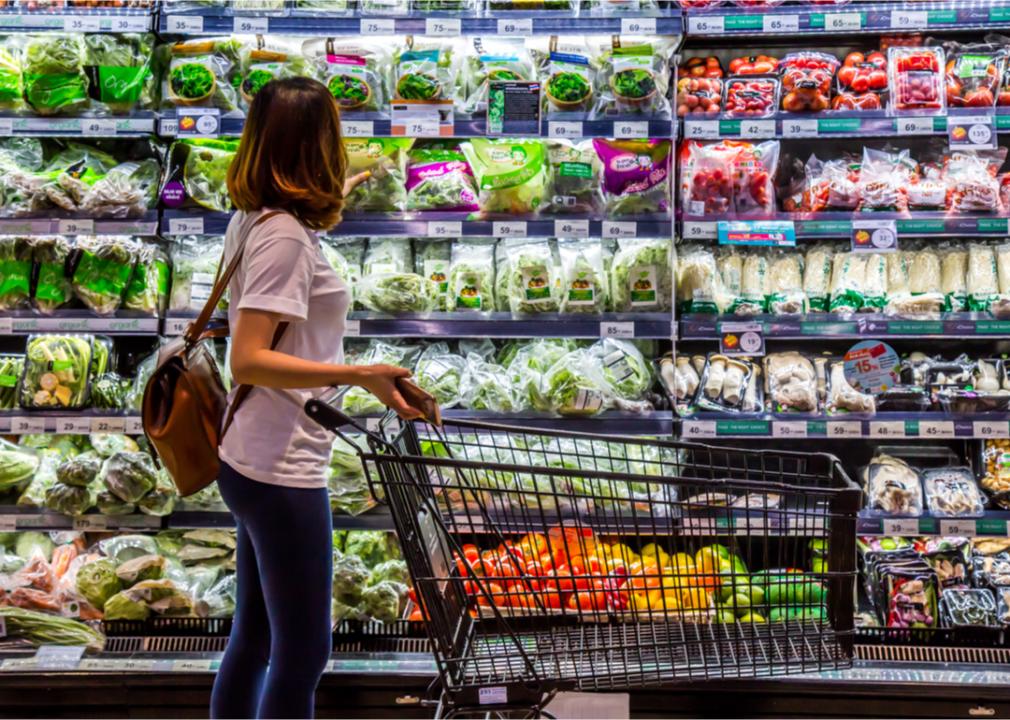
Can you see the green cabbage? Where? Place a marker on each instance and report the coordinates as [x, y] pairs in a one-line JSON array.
[[79, 470], [17, 466], [145, 567], [33, 543], [391, 570], [97, 582]]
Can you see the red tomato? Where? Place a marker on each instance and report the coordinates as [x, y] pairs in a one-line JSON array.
[[560, 580], [495, 591], [588, 601], [470, 552]]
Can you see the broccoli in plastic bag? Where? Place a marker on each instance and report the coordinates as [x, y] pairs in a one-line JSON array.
[[372, 546], [532, 277], [485, 386], [129, 475], [471, 277], [349, 577], [511, 174], [385, 190], [15, 271], [440, 372], [104, 268], [641, 277], [584, 286], [383, 601]]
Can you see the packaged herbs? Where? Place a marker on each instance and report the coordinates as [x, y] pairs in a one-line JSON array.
[[471, 277], [119, 68], [198, 173], [567, 73], [15, 271], [386, 159], [635, 76], [103, 270], [511, 174], [439, 178], [56, 372], [574, 178], [354, 70]]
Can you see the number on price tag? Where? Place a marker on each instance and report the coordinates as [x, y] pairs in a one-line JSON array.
[[378, 26], [509, 229], [6, 127], [989, 429], [617, 329], [357, 128], [699, 230], [757, 128], [108, 425], [75, 227], [715, 25], [99, 127], [796, 128], [842, 429], [168, 127], [131, 23], [843, 21], [82, 23], [191, 665], [72, 425], [909, 19], [564, 129], [571, 228], [185, 226], [638, 26], [699, 428], [252, 25], [780, 23], [27, 425], [184, 23], [901, 526], [352, 328], [442, 27], [701, 129], [960, 527], [442, 228], [86, 523], [134, 426], [887, 429], [789, 429], [519, 26], [619, 229], [936, 428], [914, 126], [635, 129]]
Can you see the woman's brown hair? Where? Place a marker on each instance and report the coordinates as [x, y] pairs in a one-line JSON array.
[[291, 156]]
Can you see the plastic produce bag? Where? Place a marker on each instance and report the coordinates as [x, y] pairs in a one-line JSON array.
[[952, 492], [103, 271], [641, 275], [532, 277], [634, 76], [791, 383], [79, 470], [11, 73], [884, 178], [15, 271], [493, 59], [119, 67], [194, 265], [439, 372], [439, 178], [197, 174], [583, 281], [358, 401], [624, 368], [108, 391], [354, 71], [432, 259], [848, 274], [953, 278], [17, 466], [272, 59], [574, 178], [52, 286], [387, 255], [96, 582], [636, 175], [511, 174], [755, 285], [471, 277], [424, 71], [56, 371], [567, 72], [11, 369], [202, 72], [129, 475], [575, 385], [70, 499], [972, 186], [160, 501], [54, 78], [485, 386], [386, 159], [785, 283], [148, 289]]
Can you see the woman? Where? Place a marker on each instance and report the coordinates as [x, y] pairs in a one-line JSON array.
[[287, 181]]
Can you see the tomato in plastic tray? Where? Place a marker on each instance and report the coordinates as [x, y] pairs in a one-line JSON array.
[[753, 97], [973, 75], [699, 96], [697, 67], [915, 81], [753, 65], [853, 101], [806, 81]]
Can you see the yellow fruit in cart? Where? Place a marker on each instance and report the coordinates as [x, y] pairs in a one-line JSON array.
[[694, 598], [656, 601], [682, 564], [672, 602], [709, 565], [656, 555], [639, 602]]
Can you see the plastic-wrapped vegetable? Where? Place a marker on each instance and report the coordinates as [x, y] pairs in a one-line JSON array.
[[103, 271], [387, 255], [129, 475], [635, 76], [575, 385], [386, 159], [354, 71], [439, 178], [567, 72], [194, 265], [45, 629], [34, 493], [17, 466], [96, 582], [493, 60], [70, 499], [162, 499], [108, 444], [272, 59], [358, 401], [346, 481], [485, 386], [471, 277], [79, 470], [122, 548], [623, 367], [109, 504], [636, 175], [108, 392], [52, 287], [511, 174], [574, 178], [56, 371], [397, 293], [583, 281], [423, 70], [527, 367], [533, 277], [11, 368], [145, 567], [147, 291], [641, 277], [202, 72], [54, 79], [431, 261], [198, 173], [15, 271], [440, 372], [120, 67], [382, 601], [11, 74]]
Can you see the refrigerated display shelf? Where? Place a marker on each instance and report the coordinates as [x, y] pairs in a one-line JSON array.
[[123, 322], [828, 225], [819, 326], [993, 524], [138, 125], [63, 224], [611, 422], [882, 426], [105, 20], [447, 225], [376, 519], [79, 422]]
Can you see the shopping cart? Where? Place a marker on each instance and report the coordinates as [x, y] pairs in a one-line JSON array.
[[547, 560]]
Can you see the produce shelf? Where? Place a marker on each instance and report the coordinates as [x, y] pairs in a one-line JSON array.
[[214, 21], [611, 422], [13, 517], [882, 426], [812, 18], [122, 323], [70, 225], [993, 523], [138, 125], [81, 422], [817, 326], [447, 225], [377, 519], [118, 20]]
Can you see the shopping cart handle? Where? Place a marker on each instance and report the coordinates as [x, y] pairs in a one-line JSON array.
[[325, 410]]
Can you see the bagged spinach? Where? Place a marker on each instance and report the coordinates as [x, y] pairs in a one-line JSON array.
[[103, 270], [53, 289], [574, 178], [641, 277], [439, 178], [533, 277], [201, 72], [567, 72], [583, 280], [15, 271], [273, 58], [386, 159], [493, 59], [511, 174], [431, 260], [636, 175], [471, 277], [354, 70], [423, 71]]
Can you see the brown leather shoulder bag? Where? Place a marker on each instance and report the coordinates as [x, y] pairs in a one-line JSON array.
[[185, 408]]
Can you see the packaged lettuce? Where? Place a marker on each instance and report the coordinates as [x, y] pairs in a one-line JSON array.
[[574, 178], [202, 72], [471, 276], [423, 71], [634, 76], [386, 159], [52, 285], [526, 368], [11, 367], [80, 470], [493, 59], [197, 174], [387, 255], [440, 372], [567, 73], [485, 386], [335, 259], [103, 271], [54, 78], [395, 292], [583, 280], [431, 260], [502, 278], [384, 7], [575, 385], [11, 73], [148, 289], [623, 367], [611, 8], [56, 371], [641, 277], [346, 479], [636, 175], [194, 266], [358, 401], [534, 282], [273, 58], [511, 174], [15, 271], [353, 69], [119, 68], [439, 178]]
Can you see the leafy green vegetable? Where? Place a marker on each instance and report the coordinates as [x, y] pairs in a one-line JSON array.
[[43, 629], [397, 293], [108, 444], [568, 87], [493, 59], [354, 70], [80, 470], [390, 570], [138, 569], [634, 76], [641, 275], [574, 178], [162, 499], [431, 260], [97, 582], [34, 493], [528, 364], [54, 78], [624, 368], [202, 72], [56, 371], [511, 174], [11, 75], [103, 271], [346, 480], [385, 158], [70, 499], [15, 271], [634, 83], [439, 178], [372, 546], [126, 547], [121, 65], [129, 475], [148, 288], [532, 277], [349, 577], [636, 175], [108, 392], [382, 601], [109, 504], [583, 281], [122, 606], [52, 288], [17, 465], [205, 172], [575, 385], [11, 369], [485, 386], [194, 264], [471, 277], [33, 543], [357, 400], [423, 71], [440, 372]]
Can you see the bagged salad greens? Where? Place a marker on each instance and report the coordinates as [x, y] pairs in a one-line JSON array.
[[54, 78], [357, 400], [386, 160], [424, 70], [103, 271], [353, 69], [273, 58], [492, 59], [502, 277], [119, 69], [575, 385], [34, 493], [387, 255], [57, 369], [583, 280], [634, 76], [471, 276], [148, 288], [485, 386], [574, 178], [431, 261], [11, 368], [609, 8], [636, 175], [641, 275], [198, 173], [511, 174], [439, 178], [335, 259], [624, 368], [440, 371], [53, 289], [15, 271], [567, 71], [533, 281], [528, 365], [346, 480], [194, 265], [11, 73], [397, 292], [201, 72]]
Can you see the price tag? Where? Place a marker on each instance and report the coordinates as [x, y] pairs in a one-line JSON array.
[[184, 24], [357, 128], [959, 527], [443, 228], [780, 23], [741, 338], [701, 129], [134, 426], [28, 425], [251, 25], [936, 428], [108, 425], [168, 127], [757, 128], [6, 127], [844, 429], [75, 226], [887, 428], [571, 228], [698, 429], [564, 129], [509, 229], [191, 665], [82, 23], [136, 665], [797, 128], [131, 23], [909, 19], [93, 523], [378, 26], [58, 657], [352, 328], [617, 329], [619, 229], [73, 425], [901, 526], [638, 26], [522, 27], [631, 129], [198, 122], [442, 27], [914, 126], [99, 127], [691, 230], [8, 523], [714, 25], [789, 429], [874, 235], [836, 22], [990, 429], [185, 226], [417, 119], [971, 133]]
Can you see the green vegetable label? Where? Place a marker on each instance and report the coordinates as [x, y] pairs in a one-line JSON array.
[[973, 66], [618, 365], [10, 87], [575, 169], [54, 91], [469, 295], [61, 365], [582, 291], [122, 85], [164, 275], [438, 272], [642, 281], [536, 283], [8, 380], [52, 287], [587, 400]]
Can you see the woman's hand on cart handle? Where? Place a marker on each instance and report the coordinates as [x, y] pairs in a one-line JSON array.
[[380, 380]]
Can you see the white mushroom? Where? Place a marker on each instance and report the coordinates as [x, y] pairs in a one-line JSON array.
[[716, 376]]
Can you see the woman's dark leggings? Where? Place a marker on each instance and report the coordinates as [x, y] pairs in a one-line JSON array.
[[280, 639]]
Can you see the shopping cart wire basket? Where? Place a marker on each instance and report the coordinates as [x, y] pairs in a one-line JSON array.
[[551, 560]]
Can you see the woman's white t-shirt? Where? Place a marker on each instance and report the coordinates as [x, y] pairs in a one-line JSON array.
[[283, 270]]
